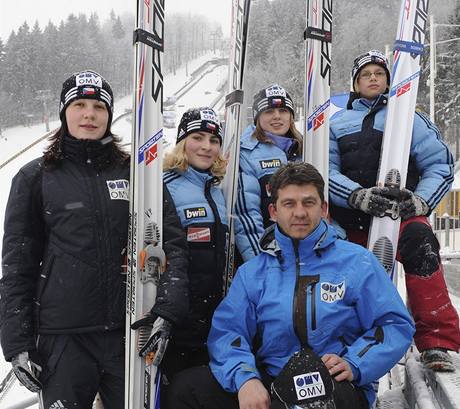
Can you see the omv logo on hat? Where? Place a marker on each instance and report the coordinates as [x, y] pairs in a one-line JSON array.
[[275, 91], [88, 78]]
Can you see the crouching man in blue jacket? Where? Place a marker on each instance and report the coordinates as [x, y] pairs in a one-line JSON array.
[[312, 321]]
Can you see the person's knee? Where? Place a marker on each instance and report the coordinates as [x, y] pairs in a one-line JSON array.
[[419, 250], [183, 386], [180, 387]]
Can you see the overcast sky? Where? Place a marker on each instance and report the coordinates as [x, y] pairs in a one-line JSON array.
[[14, 12]]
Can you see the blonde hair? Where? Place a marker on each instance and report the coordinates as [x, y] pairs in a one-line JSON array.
[[177, 160], [260, 135]]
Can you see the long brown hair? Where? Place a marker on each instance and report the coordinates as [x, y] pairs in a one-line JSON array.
[[260, 135]]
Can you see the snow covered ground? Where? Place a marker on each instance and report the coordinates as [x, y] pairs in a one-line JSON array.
[[16, 139]]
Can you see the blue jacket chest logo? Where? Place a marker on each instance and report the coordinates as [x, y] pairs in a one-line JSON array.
[[331, 292], [195, 212], [270, 163]]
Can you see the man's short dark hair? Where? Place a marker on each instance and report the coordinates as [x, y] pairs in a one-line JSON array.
[[299, 174]]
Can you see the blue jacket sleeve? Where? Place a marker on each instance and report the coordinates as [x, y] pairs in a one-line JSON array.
[[230, 339], [340, 187], [433, 160], [388, 326], [249, 226]]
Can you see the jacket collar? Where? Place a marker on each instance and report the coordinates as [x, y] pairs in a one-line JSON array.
[[247, 140], [277, 244], [96, 152], [196, 177], [363, 104]]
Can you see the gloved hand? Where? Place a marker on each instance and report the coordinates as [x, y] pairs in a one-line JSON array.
[[411, 205], [25, 371], [158, 339], [372, 201]]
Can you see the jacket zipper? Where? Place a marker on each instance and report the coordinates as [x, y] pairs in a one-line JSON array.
[[303, 285]]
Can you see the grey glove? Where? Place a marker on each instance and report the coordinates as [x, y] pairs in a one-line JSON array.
[[411, 205], [159, 331], [373, 201], [26, 370]]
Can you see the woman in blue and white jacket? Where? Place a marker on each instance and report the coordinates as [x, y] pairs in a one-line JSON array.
[[270, 142], [192, 172]]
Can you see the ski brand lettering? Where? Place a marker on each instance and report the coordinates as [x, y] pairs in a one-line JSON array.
[[157, 52], [88, 78], [238, 44], [195, 212], [332, 292], [421, 16], [326, 55], [118, 189], [199, 234], [309, 385], [270, 164]]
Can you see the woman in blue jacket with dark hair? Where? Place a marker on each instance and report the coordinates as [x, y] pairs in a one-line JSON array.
[[270, 142]]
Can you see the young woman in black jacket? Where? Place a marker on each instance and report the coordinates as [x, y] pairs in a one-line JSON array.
[[62, 292]]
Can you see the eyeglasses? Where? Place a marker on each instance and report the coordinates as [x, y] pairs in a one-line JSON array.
[[367, 75]]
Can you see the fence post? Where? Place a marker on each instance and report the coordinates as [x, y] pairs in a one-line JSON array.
[[446, 218]]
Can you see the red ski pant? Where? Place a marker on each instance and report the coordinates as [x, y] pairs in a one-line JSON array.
[[436, 319]]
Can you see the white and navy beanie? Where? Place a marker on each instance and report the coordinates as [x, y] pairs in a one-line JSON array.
[[371, 57], [202, 119], [86, 85], [273, 96]]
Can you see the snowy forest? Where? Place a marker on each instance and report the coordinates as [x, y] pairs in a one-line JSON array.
[[34, 60], [276, 50]]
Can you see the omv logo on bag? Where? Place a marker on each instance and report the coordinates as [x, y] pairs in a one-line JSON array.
[[331, 292]]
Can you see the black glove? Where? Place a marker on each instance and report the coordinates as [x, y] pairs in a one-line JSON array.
[[25, 371], [158, 336], [373, 201], [411, 205]]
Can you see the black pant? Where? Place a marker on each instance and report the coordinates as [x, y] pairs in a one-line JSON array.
[[196, 388], [77, 366], [176, 360]]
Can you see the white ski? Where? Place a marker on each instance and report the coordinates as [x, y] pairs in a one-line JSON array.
[[233, 124], [7, 383], [397, 137], [145, 256], [318, 37]]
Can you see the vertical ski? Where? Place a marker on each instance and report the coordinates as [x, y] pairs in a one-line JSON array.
[[318, 37], [7, 383], [233, 124], [145, 256], [397, 137]]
